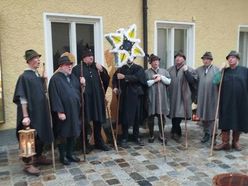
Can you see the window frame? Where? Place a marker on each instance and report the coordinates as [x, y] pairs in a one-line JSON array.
[[242, 28], [72, 19], [171, 26]]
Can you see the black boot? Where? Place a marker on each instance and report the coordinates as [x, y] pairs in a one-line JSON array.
[[151, 129], [62, 157], [69, 151], [205, 138], [99, 143]]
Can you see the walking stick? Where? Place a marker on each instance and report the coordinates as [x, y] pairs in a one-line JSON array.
[[216, 114], [109, 116], [51, 121], [118, 108], [83, 124], [185, 117], [161, 119]]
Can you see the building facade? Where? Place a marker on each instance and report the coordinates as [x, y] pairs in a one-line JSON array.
[[52, 27]]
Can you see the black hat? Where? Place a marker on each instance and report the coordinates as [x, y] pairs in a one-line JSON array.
[[207, 55], [64, 60], [233, 53], [153, 58], [87, 53], [30, 54], [181, 54]]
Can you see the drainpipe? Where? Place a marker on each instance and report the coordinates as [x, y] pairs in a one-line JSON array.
[[145, 37]]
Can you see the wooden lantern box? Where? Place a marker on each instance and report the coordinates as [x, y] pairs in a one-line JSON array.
[[27, 142]]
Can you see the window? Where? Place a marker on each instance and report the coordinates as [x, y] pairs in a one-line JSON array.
[[172, 37], [243, 45], [71, 33]]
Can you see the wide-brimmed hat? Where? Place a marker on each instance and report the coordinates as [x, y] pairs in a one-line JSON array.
[[233, 53], [29, 54], [64, 60], [70, 56], [181, 54], [153, 58], [87, 53], [207, 55]]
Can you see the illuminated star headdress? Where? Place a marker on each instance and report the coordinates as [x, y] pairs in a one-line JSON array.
[[125, 45]]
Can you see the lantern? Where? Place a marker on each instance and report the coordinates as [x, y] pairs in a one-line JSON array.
[[26, 142]]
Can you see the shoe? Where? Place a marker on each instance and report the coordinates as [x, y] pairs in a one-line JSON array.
[[139, 142], [205, 138], [175, 137], [31, 170], [161, 139], [42, 160], [103, 147], [65, 161], [151, 139], [88, 149], [73, 158], [124, 144]]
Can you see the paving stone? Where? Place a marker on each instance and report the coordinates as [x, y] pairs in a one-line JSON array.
[[152, 178], [109, 163], [136, 176], [152, 167], [113, 181], [21, 183], [99, 183], [49, 177], [124, 165], [144, 183], [75, 171], [202, 184], [79, 177], [224, 166], [36, 184]]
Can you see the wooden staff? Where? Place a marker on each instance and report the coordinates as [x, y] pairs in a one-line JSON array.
[[82, 101], [109, 116], [185, 115], [161, 119], [118, 107], [49, 110], [216, 114]]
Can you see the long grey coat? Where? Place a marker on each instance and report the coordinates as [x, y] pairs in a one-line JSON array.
[[207, 93], [180, 93], [154, 103]]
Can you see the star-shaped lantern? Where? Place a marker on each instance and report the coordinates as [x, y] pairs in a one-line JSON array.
[[125, 45]]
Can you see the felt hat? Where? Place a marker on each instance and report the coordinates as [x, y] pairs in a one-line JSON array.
[[207, 55], [87, 53], [64, 60], [233, 53], [153, 58], [181, 54], [30, 54]]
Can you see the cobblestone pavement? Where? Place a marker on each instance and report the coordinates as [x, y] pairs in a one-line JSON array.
[[133, 166]]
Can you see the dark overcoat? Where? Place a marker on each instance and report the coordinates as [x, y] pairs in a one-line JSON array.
[[31, 87], [94, 93], [234, 100], [65, 98], [131, 108]]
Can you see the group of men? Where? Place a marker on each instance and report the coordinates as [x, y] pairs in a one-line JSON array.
[[76, 92]]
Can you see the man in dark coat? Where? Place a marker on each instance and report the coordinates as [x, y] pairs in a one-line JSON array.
[[65, 106], [207, 95], [129, 80], [180, 94], [96, 83], [33, 109], [233, 103], [158, 80]]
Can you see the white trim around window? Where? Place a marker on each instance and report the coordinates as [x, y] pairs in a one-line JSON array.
[[48, 18], [190, 40]]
